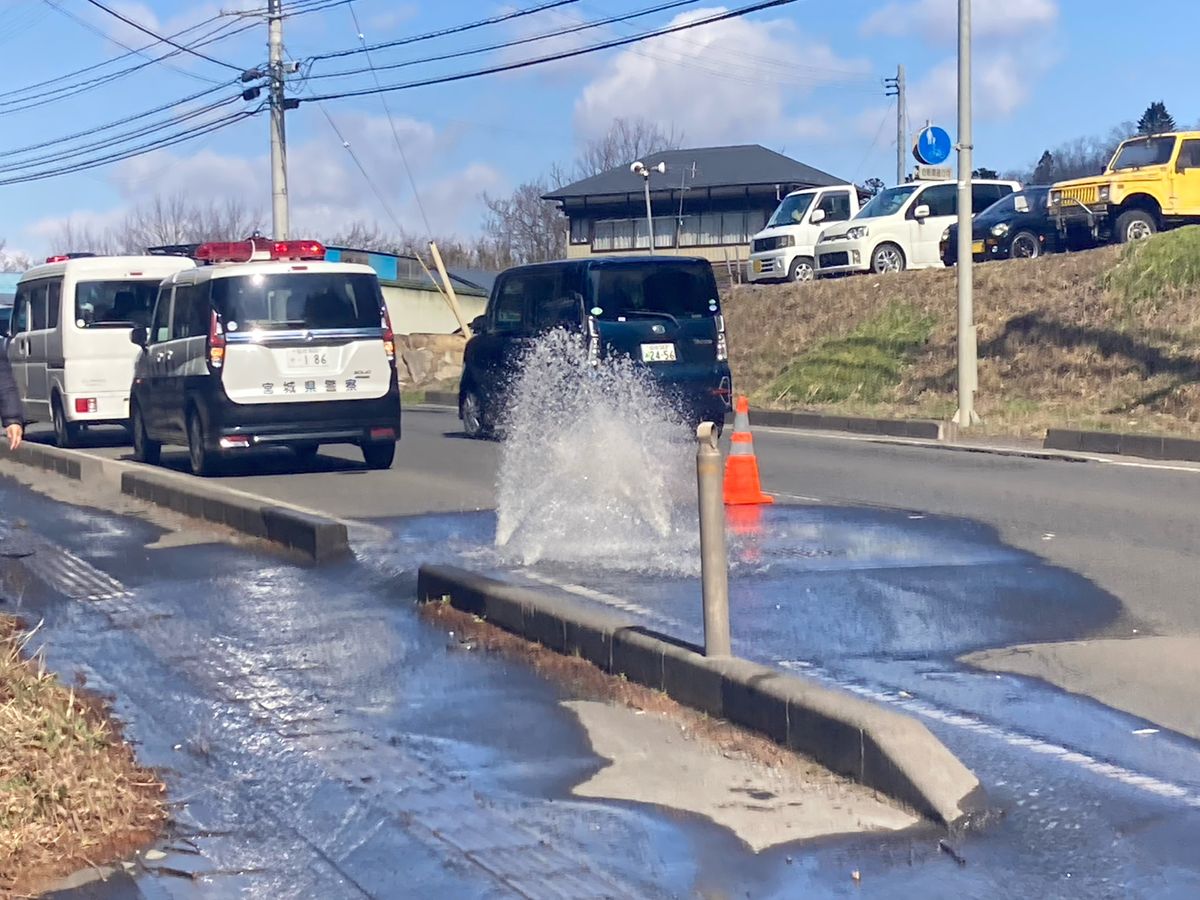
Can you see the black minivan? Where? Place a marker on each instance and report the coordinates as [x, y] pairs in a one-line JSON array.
[[663, 312]]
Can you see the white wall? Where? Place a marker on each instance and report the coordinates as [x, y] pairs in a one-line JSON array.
[[416, 311]]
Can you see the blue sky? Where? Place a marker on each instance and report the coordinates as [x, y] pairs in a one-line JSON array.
[[802, 78]]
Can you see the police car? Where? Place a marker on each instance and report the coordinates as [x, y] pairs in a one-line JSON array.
[[264, 343]]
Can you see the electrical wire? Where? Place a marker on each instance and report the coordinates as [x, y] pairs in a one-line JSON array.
[[566, 54], [457, 29], [878, 131], [505, 45], [64, 92], [158, 37], [361, 168], [158, 144]]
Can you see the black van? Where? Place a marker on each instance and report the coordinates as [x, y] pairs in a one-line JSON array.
[[662, 311]]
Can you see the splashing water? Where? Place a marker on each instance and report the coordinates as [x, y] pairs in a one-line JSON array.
[[596, 467]]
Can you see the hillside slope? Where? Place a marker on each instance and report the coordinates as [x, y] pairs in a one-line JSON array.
[[1108, 338]]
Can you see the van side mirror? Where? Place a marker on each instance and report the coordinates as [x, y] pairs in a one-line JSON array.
[[1022, 204], [479, 325], [140, 336], [921, 212], [817, 217]]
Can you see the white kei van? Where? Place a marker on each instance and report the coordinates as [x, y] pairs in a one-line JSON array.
[[783, 251], [69, 336], [902, 227]]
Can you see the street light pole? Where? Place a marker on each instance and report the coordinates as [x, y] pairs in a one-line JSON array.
[[967, 357], [640, 168]]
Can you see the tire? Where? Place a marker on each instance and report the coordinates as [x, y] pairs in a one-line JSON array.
[[474, 418], [1134, 225], [1025, 245], [801, 269], [306, 453], [379, 456], [887, 258], [145, 450], [66, 434], [203, 460]]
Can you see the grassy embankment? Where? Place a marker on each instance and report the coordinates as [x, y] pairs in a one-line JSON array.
[[1105, 339]]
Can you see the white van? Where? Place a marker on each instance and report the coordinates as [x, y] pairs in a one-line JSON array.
[[266, 344], [901, 227], [69, 336], [783, 251]]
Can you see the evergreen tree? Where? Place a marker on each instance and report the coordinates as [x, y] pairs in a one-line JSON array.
[[1156, 119]]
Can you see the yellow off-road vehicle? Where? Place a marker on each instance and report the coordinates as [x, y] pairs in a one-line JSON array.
[[1152, 183]]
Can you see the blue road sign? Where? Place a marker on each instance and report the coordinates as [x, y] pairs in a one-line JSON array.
[[933, 146]]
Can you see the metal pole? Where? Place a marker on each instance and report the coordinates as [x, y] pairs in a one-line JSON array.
[[649, 214], [966, 416], [279, 191], [714, 564], [901, 126]]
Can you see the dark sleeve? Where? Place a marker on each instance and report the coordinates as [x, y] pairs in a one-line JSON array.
[[11, 412]]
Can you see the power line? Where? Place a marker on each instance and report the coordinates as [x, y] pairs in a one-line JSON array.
[[547, 35], [361, 168], [158, 37], [566, 54], [457, 29], [158, 144], [392, 122]]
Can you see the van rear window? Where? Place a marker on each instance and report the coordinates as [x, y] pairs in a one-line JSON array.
[[682, 290], [287, 301], [114, 304]]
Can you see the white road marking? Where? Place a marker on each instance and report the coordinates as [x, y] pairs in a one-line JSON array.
[[800, 497]]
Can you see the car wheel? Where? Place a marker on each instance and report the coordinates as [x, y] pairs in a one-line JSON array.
[[144, 449], [801, 269], [306, 453], [379, 455], [887, 258], [471, 411], [1025, 245], [66, 434], [202, 459], [1135, 225]]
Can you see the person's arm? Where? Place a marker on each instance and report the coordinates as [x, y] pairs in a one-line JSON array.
[[11, 412]]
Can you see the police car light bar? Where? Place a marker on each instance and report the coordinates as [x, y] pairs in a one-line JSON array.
[[245, 251], [63, 257]]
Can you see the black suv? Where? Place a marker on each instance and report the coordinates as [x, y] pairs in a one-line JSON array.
[[662, 311]]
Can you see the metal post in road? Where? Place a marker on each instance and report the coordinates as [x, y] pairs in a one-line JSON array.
[[967, 371], [279, 191], [714, 563]]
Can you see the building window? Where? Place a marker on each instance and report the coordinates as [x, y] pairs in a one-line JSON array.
[[603, 238], [623, 234], [579, 230]]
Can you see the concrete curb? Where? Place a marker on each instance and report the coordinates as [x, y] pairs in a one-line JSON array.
[[1147, 446], [441, 398], [878, 747], [316, 537]]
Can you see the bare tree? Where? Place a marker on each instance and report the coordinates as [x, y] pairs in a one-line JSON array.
[[1076, 159], [13, 262], [523, 227], [626, 140]]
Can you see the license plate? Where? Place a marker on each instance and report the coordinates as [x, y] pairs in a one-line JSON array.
[[757, 266], [309, 360], [658, 353], [977, 247]]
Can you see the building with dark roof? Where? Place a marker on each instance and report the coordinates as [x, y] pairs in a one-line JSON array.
[[709, 203]]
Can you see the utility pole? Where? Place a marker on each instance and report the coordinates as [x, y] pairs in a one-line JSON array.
[[967, 359], [279, 191], [896, 88]]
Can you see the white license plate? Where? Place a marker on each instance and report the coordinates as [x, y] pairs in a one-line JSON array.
[[308, 360], [658, 353]]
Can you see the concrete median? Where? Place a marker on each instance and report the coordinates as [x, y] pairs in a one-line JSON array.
[[876, 746]]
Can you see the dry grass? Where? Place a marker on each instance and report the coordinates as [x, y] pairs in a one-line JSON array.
[[1106, 339], [71, 794]]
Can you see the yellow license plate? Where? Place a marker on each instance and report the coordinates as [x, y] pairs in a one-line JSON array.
[[977, 247], [757, 265]]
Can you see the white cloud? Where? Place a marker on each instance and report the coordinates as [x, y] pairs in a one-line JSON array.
[[729, 81], [937, 20]]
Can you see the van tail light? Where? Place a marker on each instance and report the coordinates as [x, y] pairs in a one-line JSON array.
[[85, 404], [389, 337], [216, 342], [722, 341]]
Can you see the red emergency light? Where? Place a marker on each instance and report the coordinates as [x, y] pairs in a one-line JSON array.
[[62, 257], [245, 251]]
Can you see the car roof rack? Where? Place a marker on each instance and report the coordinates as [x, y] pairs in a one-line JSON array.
[[188, 250]]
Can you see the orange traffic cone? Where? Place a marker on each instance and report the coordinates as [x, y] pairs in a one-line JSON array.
[[741, 468]]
